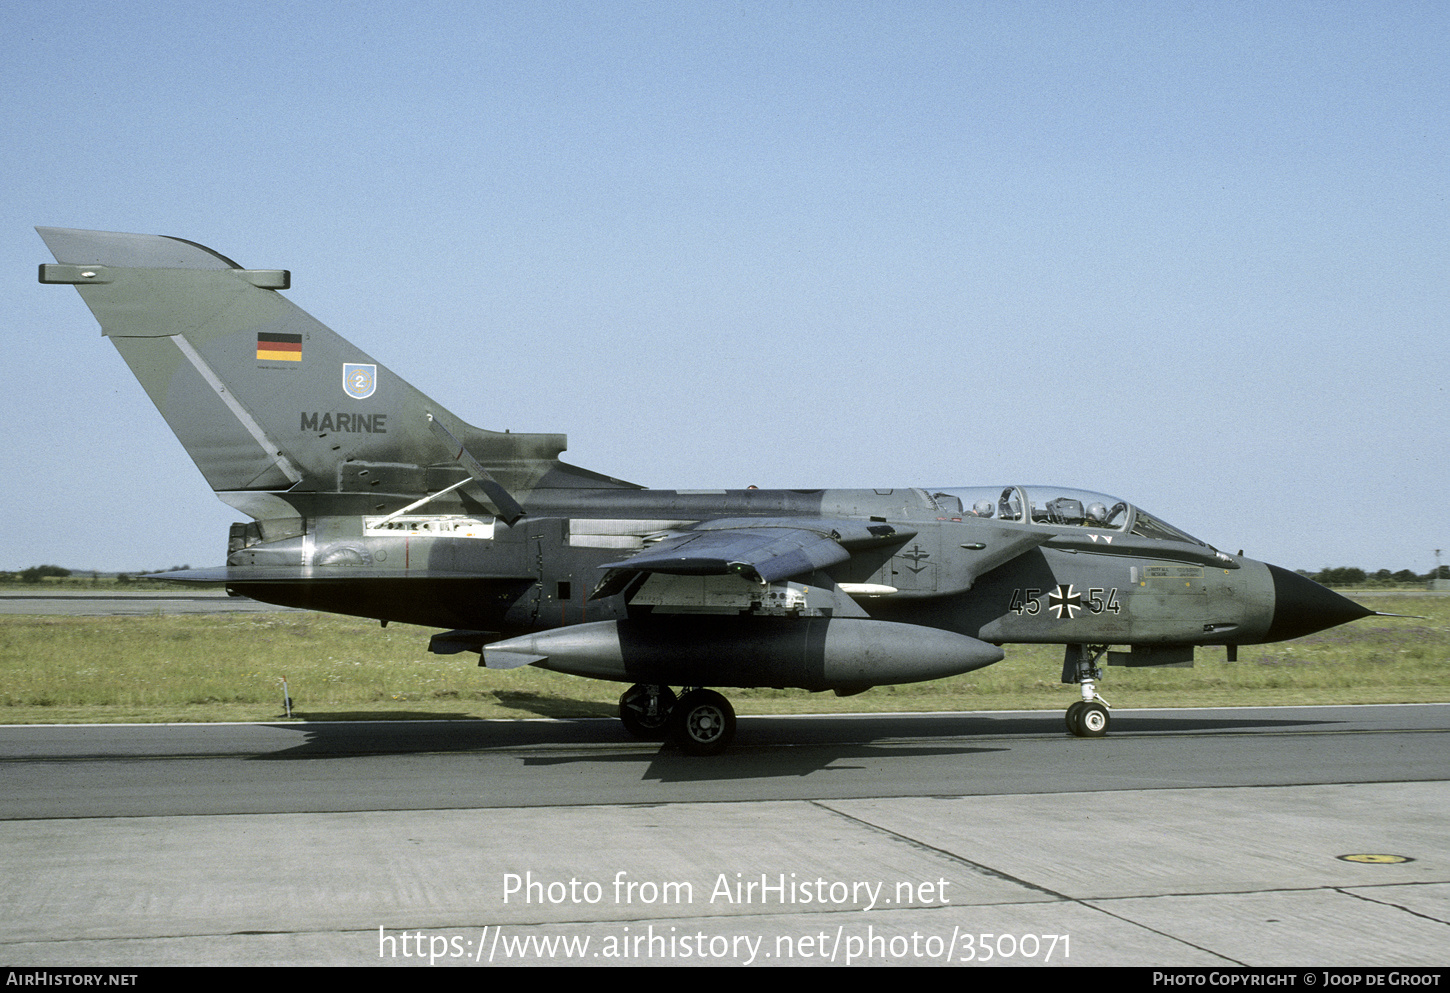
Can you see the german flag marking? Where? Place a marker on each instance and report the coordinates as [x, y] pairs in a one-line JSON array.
[[279, 347]]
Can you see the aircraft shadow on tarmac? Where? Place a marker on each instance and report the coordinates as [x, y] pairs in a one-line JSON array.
[[764, 745], [673, 765]]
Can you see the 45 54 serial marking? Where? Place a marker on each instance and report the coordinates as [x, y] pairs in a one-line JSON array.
[[1065, 602]]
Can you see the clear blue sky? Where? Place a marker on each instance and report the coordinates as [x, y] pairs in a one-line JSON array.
[[1192, 255]]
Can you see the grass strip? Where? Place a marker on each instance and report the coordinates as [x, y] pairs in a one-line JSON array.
[[229, 667]]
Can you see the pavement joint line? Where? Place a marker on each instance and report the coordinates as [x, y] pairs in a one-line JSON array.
[[1163, 934], [988, 871], [917, 843], [1349, 891]]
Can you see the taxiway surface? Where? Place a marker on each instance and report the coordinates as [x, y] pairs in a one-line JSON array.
[[1190, 837]]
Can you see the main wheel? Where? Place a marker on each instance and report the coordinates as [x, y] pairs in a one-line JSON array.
[[1074, 717], [1093, 720], [704, 722], [634, 711]]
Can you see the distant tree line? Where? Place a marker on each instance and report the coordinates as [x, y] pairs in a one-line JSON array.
[[34, 574], [1350, 576], [40, 573]]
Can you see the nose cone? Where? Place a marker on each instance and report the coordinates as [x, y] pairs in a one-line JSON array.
[[1302, 606]]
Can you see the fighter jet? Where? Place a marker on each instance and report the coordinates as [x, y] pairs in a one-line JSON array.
[[368, 498]]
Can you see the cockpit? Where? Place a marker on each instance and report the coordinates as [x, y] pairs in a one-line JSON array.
[[1054, 506]]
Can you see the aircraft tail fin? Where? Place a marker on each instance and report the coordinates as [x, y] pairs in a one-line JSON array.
[[270, 403]]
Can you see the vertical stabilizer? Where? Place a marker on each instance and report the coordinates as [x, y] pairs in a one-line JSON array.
[[266, 399]]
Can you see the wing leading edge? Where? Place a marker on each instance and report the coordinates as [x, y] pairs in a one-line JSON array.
[[764, 550]]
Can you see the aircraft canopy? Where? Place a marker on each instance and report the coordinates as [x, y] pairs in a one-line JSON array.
[[1055, 506]]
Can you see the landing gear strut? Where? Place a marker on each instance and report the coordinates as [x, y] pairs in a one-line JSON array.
[[702, 721], [645, 710], [1088, 717]]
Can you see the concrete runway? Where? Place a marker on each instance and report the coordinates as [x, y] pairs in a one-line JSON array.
[[1191, 838]]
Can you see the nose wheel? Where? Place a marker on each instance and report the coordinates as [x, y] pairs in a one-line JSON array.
[[1088, 717], [1088, 720]]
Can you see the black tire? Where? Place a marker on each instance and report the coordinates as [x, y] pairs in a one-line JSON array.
[[1074, 718], [704, 722], [1094, 721], [634, 712]]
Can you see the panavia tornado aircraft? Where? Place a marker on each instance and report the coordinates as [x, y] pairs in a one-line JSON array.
[[368, 498]]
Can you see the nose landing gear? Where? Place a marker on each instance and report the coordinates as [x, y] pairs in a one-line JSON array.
[[1088, 717]]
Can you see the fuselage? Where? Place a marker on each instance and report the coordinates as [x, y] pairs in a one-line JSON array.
[[1034, 567]]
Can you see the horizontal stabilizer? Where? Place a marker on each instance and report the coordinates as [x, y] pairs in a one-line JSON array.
[[508, 508]]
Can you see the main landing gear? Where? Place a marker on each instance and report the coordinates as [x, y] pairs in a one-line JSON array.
[[702, 721], [1088, 718], [645, 711]]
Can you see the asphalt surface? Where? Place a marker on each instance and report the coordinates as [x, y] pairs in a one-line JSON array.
[[1192, 837]]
